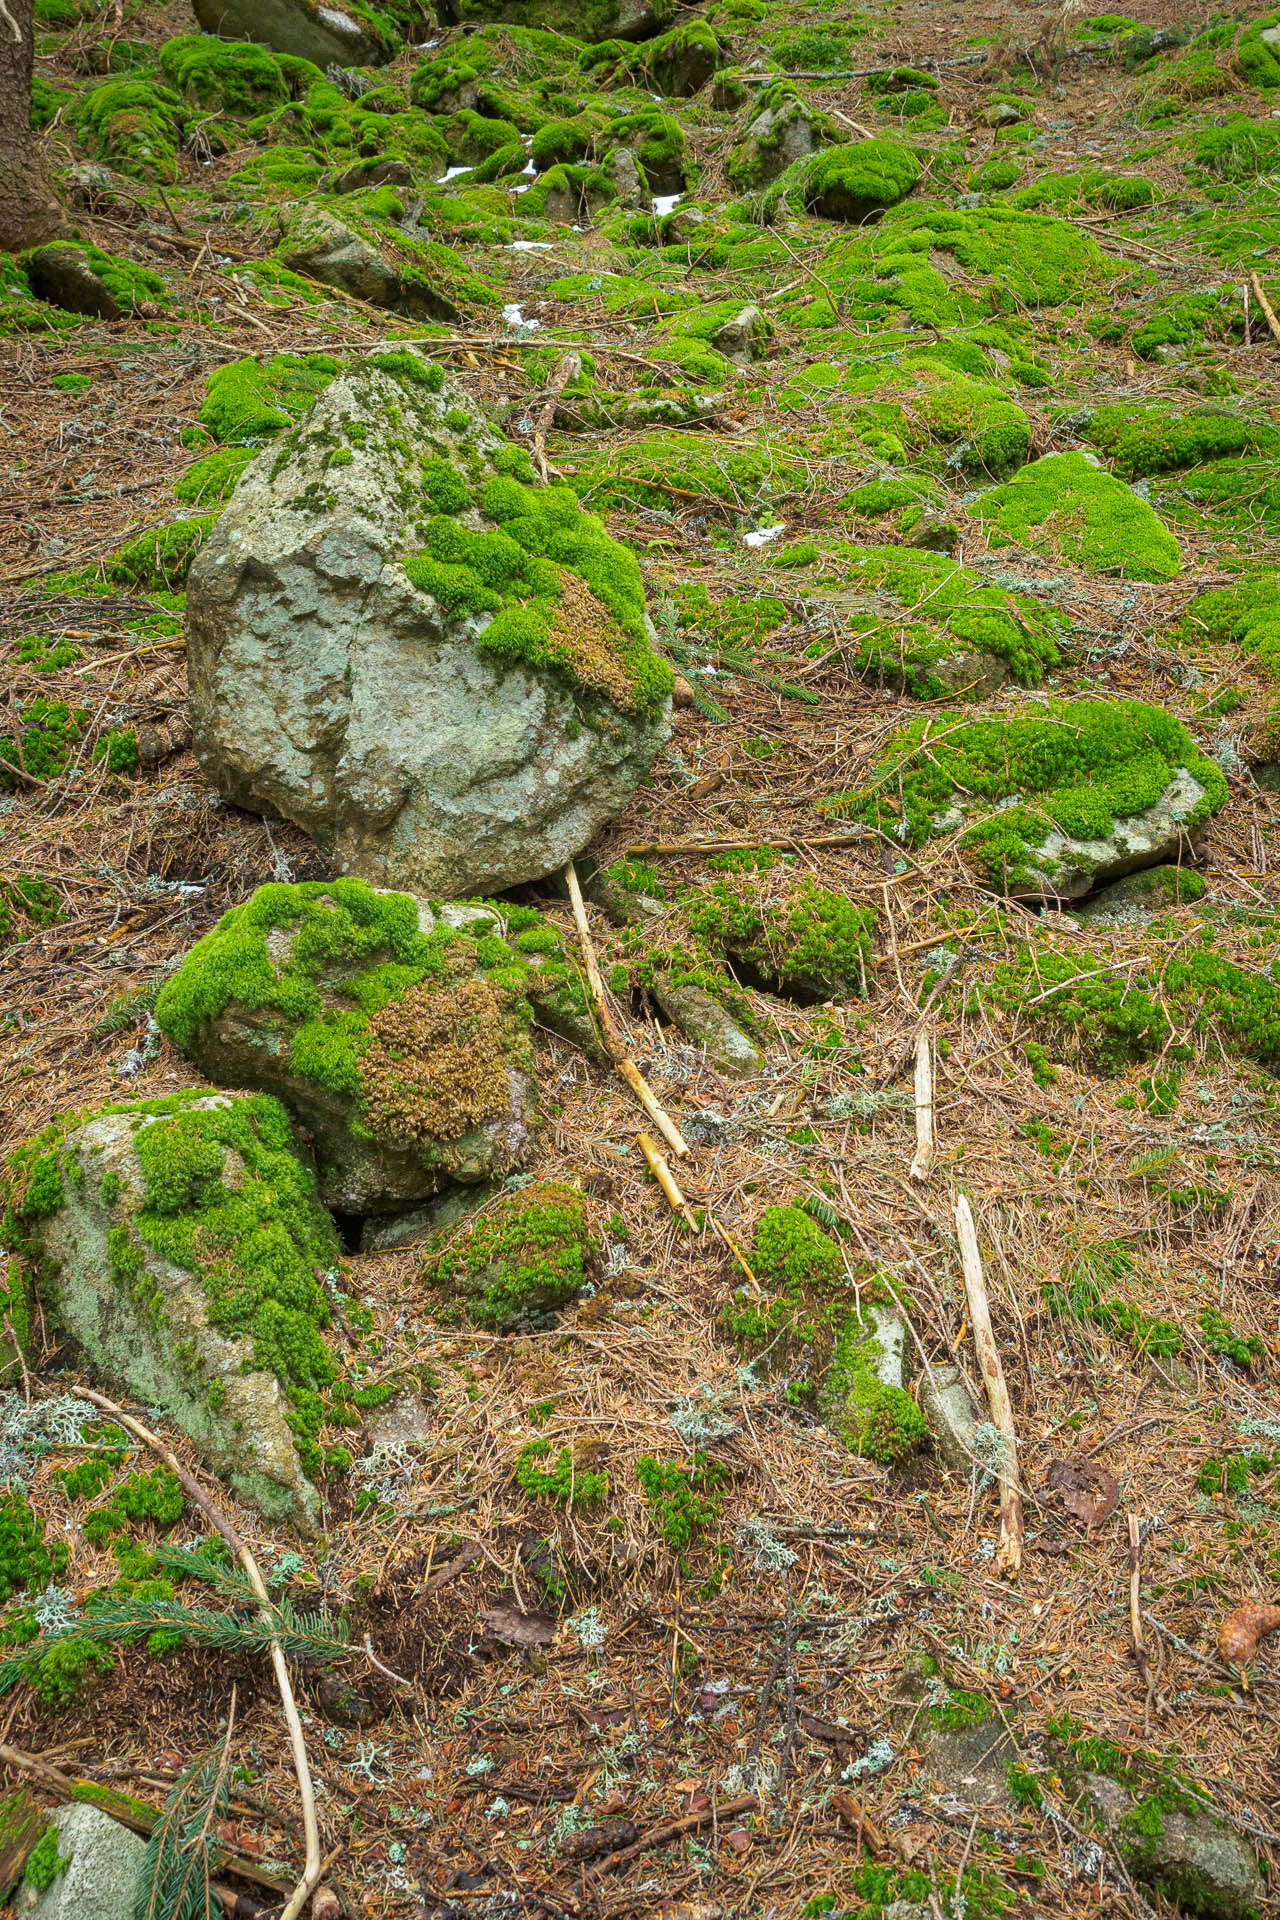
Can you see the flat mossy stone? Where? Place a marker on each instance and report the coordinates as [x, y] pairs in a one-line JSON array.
[[855, 183], [328, 35], [1048, 801], [1066, 505], [395, 1032], [1151, 890], [704, 1022], [1179, 1849], [177, 1243]]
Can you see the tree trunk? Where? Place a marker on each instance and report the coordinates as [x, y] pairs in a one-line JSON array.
[[28, 211]]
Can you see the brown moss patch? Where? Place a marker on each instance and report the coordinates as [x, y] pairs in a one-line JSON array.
[[439, 1064], [588, 638]]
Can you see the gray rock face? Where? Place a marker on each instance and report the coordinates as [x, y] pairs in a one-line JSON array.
[[1194, 1860], [945, 1403], [633, 191], [744, 338], [326, 687], [320, 245], [101, 1880], [776, 139], [705, 1022], [1072, 868], [141, 1321], [310, 29], [1148, 891], [62, 276], [968, 1764]]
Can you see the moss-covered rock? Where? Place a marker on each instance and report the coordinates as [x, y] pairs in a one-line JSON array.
[[177, 1242], [353, 34], [806, 1326], [397, 1035], [524, 1257], [492, 682], [785, 132], [1067, 505], [855, 183], [134, 125], [421, 278], [1141, 441], [1050, 801], [84, 279]]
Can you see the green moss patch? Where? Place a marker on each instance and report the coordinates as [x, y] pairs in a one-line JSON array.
[[249, 401], [134, 125], [851, 183], [806, 1321], [523, 1258], [1140, 441], [1077, 767], [1066, 505], [1247, 614]]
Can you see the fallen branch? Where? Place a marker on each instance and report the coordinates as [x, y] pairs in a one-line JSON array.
[[922, 1166], [1009, 1554], [670, 848], [614, 1044], [133, 1814], [745, 1803], [314, 1865], [1262, 300], [569, 369], [666, 1179]]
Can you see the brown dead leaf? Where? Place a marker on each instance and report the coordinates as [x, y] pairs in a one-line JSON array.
[[507, 1626], [1086, 1490]]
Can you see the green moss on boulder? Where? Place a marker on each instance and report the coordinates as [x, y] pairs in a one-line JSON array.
[[854, 183], [523, 1258], [1067, 505]]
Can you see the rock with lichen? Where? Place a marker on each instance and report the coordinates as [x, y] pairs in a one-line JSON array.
[[439, 670], [396, 1033], [314, 30], [177, 1244], [518, 1260]]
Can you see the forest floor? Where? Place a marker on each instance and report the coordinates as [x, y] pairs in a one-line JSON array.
[[760, 1708]]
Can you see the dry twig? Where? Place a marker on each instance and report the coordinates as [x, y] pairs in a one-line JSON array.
[[1009, 1554]]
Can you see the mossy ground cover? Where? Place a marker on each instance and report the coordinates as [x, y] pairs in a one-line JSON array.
[[1060, 279]]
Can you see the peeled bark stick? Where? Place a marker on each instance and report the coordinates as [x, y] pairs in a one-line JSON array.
[[1135, 1591], [1265, 304], [569, 369], [1009, 1554], [922, 1166], [314, 1865], [665, 1178], [615, 1045]]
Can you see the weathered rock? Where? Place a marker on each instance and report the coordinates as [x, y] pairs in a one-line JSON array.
[[395, 1034], [945, 1403], [632, 188], [351, 669], [62, 275], [384, 173], [320, 245], [390, 1233], [102, 1875], [1067, 868], [775, 140], [177, 1243], [1002, 114], [613, 20], [1148, 891], [705, 1022], [744, 338], [1195, 1861], [968, 1762], [933, 532], [316, 30], [681, 225]]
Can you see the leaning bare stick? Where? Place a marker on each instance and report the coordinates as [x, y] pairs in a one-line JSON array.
[[569, 369], [922, 1166], [615, 1045], [1009, 1555], [314, 1865]]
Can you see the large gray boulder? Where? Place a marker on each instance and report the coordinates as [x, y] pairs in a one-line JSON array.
[[1184, 1853], [177, 1244], [395, 1033], [316, 243], [439, 671], [316, 30], [101, 1878]]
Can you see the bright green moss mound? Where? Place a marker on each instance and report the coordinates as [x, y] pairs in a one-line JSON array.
[[26, 902], [1117, 192], [236, 77], [808, 1322], [44, 740], [805, 941], [44, 1862], [559, 1479], [25, 1561], [1140, 441], [416, 1030], [522, 1259], [226, 1198], [1066, 505], [249, 401], [1248, 614], [1239, 150], [1078, 766], [212, 479], [676, 470], [133, 125], [1257, 59], [948, 611], [526, 574], [856, 182]]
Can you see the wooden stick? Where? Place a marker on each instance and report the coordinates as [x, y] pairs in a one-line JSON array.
[[922, 1166], [1135, 1589], [1265, 304], [668, 848], [1009, 1553], [314, 1865], [615, 1045], [747, 1802], [569, 369], [665, 1178]]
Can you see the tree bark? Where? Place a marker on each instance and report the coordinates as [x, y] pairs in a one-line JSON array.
[[28, 211]]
